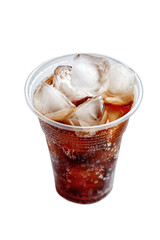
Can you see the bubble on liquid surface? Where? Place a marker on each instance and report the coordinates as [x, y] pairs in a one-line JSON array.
[[89, 113], [52, 103]]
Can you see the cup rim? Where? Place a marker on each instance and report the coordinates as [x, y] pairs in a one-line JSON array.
[[135, 106]]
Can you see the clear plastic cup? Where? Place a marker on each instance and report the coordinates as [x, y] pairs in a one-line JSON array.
[[83, 158]]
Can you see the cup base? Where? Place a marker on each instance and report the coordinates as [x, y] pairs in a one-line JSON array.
[[83, 201]]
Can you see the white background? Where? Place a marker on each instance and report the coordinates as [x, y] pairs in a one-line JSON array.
[[33, 32]]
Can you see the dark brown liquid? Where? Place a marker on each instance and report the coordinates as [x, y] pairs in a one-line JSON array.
[[84, 165], [84, 162]]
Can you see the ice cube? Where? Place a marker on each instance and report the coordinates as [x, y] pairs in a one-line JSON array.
[[52, 103], [121, 79], [62, 81], [86, 78], [120, 89], [89, 113], [89, 74]]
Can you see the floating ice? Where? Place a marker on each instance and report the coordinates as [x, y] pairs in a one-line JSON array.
[[62, 81], [86, 78], [121, 79], [120, 85], [103, 82], [52, 103], [89, 74], [90, 113]]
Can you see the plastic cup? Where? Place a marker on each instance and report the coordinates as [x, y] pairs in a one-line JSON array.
[[83, 158]]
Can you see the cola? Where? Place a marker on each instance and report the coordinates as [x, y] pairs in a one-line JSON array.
[[84, 125], [84, 162]]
